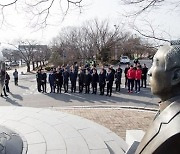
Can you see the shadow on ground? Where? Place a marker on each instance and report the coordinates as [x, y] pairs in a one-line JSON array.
[[117, 98]]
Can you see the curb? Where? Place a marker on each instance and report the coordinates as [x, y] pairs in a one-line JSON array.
[[107, 107]]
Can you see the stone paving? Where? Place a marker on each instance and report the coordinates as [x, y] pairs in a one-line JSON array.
[[117, 120], [51, 132]]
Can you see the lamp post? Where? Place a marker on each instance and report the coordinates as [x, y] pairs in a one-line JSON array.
[[115, 46], [63, 56]]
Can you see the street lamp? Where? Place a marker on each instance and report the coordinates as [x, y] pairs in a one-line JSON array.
[[115, 46], [63, 56]]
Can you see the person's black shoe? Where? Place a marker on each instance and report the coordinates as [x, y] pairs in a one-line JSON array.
[[2, 95], [106, 94]]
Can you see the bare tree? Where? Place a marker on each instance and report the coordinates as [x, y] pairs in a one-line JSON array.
[[40, 10], [26, 50], [94, 39], [137, 8], [104, 38], [148, 5]]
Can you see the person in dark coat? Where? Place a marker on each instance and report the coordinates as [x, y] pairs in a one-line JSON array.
[[81, 80], [44, 81], [109, 80], [52, 81], [76, 68], [59, 80], [87, 81], [112, 70], [118, 76], [144, 76], [39, 79], [66, 80], [95, 80], [4, 90], [125, 74], [7, 78], [136, 61], [104, 71], [15, 74], [73, 78], [3, 78], [102, 81]]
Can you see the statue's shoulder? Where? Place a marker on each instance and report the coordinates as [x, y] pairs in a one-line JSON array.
[[163, 132]]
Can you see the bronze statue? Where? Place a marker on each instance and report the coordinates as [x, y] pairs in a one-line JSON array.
[[2, 73], [163, 135]]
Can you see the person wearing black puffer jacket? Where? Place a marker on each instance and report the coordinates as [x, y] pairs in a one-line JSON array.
[[73, 77], [118, 76], [59, 80], [95, 80], [66, 80], [87, 81], [102, 81], [109, 80], [81, 80]]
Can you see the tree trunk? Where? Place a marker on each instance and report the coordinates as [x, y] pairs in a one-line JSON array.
[[28, 67], [37, 64], [33, 64]]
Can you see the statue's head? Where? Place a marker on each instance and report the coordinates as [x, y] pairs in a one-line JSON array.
[[165, 71], [2, 72]]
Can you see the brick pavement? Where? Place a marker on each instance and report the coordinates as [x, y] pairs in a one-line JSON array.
[[117, 120]]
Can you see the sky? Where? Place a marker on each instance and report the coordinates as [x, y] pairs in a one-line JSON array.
[[165, 21]]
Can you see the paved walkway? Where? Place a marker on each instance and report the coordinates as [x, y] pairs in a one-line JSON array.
[[51, 132]]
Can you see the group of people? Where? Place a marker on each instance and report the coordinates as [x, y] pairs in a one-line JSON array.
[[88, 79], [135, 76]]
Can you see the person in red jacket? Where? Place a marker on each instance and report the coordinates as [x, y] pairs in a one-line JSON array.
[[131, 77], [138, 76]]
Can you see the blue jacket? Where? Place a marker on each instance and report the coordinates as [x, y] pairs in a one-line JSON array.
[[51, 79]]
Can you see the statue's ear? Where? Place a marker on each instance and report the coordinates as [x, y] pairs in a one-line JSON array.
[[176, 77]]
